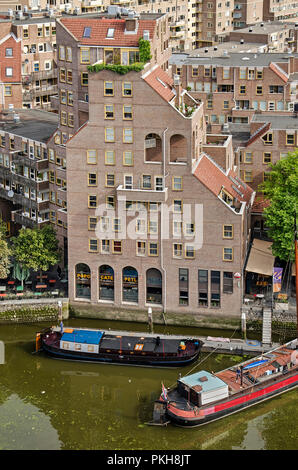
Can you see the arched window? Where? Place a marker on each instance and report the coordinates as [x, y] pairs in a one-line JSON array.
[[106, 283], [83, 281], [178, 148], [153, 286], [153, 148], [130, 284]]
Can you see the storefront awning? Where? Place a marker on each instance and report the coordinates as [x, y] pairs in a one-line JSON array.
[[260, 259]]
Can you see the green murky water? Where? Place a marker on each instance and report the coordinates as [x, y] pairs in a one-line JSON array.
[[48, 404]]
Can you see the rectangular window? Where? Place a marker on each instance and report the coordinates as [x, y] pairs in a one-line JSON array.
[[117, 246], [92, 157], [215, 288], [104, 224], [93, 244], [108, 88], [69, 76], [153, 249], [141, 226], [109, 111], [128, 158], [248, 157], [70, 120], [259, 74], [109, 134], [110, 180], [189, 251], [290, 139], [203, 287], [8, 52], [177, 250], [127, 89], [227, 254], [247, 176], [92, 222], [7, 90], [177, 206], [141, 248], [242, 73], [228, 231], [183, 286], [61, 52], [110, 202], [128, 181], [127, 136], [267, 158], [153, 227], [127, 112], [117, 225], [242, 89], [259, 90], [85, 55], [62, 75], [92, 179], [227, 283], [92, 201], [146, 182], [63, 118], [226, 73], [84, 78], [109, 157], [177, 183], [69, 54]]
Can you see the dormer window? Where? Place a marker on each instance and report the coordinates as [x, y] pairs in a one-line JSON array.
[[87, 32], [110, 33]]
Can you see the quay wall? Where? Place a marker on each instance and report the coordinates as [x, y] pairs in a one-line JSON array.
[[33, 310]]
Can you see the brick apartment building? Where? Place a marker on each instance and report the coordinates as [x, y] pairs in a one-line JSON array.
[[10, 68], [272, 136], [139, 155], [235, 86], [24, 168]]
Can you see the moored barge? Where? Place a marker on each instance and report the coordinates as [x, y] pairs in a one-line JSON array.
[[118, 347], [203, 397]]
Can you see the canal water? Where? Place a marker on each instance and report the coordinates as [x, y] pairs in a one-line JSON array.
[[48, 404]]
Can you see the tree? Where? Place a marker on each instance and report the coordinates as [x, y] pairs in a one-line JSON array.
[[4, 254], [281, 189], [36, 249]]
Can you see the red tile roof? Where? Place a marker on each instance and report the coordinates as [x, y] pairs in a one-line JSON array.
[[279, 71], [259, 205], [215, 178], [161, 82], [259, 132], [99, 28]]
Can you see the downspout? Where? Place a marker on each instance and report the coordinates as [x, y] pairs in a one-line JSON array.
[[161, 226]]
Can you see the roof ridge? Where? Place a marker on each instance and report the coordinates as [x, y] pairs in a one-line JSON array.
[[260, 131]]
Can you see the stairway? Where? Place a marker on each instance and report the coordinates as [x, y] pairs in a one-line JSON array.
[[266, 333]]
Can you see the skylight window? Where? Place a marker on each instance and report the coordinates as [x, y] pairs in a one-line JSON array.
[[110, 33], [87, 32]]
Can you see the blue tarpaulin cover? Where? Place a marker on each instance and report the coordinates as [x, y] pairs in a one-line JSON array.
[[83, 336]]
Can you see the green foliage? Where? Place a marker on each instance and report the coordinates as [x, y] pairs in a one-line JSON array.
[[117, 68], [4, 253], [144, 50], [281, 190], [36, 249]]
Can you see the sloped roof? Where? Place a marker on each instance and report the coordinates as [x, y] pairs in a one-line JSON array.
[[259, 132], [99, 28], [279, 71], [259, 205], [161, 82], [216, 179]]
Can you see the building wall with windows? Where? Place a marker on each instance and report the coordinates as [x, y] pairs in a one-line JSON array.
[[272, 137], [236, 86], [157, 165], [10, 71]]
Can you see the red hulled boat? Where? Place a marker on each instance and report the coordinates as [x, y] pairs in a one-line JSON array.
[[203, 397]]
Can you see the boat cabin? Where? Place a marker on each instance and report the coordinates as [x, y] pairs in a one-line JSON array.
[[202, 388], [80, 340]]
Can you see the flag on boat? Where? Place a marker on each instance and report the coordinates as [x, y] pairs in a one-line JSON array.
[[164, 393], [277, 277]]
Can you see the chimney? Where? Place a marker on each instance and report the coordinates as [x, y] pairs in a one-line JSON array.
[[131, 22], [178, 89]]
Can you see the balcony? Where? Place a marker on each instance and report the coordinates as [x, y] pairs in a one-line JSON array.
[[23, 218], [143, 195], [23, 159], [39, 185]]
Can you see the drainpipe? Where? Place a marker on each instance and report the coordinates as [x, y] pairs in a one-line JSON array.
[[161, 225]]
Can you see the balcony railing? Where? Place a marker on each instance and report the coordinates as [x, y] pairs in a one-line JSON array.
[[23, 218]]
